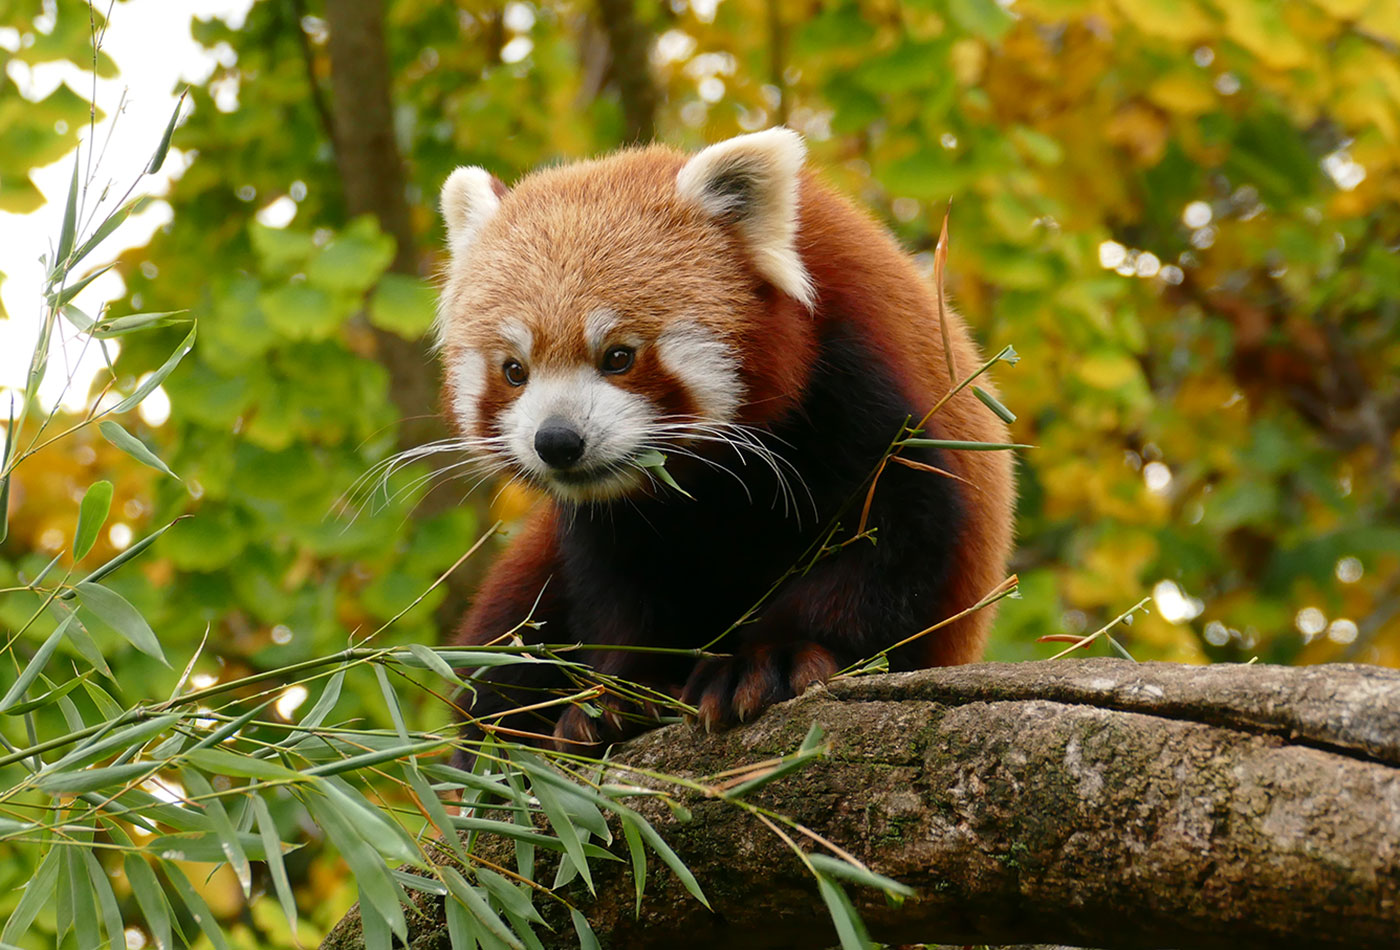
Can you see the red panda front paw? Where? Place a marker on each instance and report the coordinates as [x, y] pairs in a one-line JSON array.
[[578, 732], [736, 689]]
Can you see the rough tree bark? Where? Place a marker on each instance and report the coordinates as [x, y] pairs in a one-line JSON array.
[[1097, 802]]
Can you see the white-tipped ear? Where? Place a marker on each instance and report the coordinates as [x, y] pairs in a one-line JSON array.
[[751, 180], [470, 198]]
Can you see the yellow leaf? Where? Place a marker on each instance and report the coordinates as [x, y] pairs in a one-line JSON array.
[[1382, 18], [1184, 92], [1180, 20], [969, 58], [1108, 370], [1343, 9], [1259, 26]]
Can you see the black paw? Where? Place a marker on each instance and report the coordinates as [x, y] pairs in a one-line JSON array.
[[736, 689]]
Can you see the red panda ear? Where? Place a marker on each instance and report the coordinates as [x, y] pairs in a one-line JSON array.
[[751, 181], [470, 198]]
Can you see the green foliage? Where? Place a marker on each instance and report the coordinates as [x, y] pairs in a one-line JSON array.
[[1183, 215]]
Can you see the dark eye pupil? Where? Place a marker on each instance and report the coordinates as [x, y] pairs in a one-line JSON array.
[[618, 359], [515, 373]]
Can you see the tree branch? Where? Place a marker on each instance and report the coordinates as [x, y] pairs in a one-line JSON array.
[[1095, 802]]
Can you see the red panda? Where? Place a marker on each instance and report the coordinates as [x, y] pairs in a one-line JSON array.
[[732, 312]]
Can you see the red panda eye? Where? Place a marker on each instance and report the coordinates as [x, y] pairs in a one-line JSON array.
[[515, 372], [618, 359]]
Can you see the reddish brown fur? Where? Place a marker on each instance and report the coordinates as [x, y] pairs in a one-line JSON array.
[[539, 262], [861, 271]]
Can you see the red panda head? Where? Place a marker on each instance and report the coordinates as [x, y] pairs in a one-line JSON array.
[[597, 311]]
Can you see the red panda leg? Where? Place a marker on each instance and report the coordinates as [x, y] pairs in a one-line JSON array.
[[619, 719], [735, 689]]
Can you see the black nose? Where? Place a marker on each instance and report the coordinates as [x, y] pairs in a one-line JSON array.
[[558, 443]]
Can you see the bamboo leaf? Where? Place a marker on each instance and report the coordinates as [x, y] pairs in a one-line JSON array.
[[121, 738], [122, 558], [587, 940], [5, 478], [104, 230], [836, 867], [563, 826], [579, 802], [639, 859], [513, 899], [992, 403], [34, 667], [416, 882], [849, 927], [476, 658], [371, 823], [114, 610], [50, 696], [82, 900], [378, 890], [654, 462], [83, 642], [158, 377], [132, 322], [114, 433], [149, 897], [70, 221], [163, 148], [671, 859], [437, 813], [527, 834], [480, 909], [205, 846], [377, 757], [272, 844], [139, 801], [463, 779], [198, 909], [38, 893], [223, 762], [330, 695], [92, 514], [391, 700], [44, 571], [462, 928], [78, 781], [523, 930], [61, 298], [76, 317], [200, 789], [106, 899], [430, 659]]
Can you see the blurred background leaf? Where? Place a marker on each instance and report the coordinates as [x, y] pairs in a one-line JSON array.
[[1185, 216]]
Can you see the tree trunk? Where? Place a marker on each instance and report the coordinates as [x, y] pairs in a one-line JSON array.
[[373, 179], [629, 40], [1095, 802], [372, 176]]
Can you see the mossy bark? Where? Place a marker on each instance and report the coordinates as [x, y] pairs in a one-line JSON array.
[[1097, 803]]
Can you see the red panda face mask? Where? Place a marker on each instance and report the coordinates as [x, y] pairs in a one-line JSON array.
[[600, 313]]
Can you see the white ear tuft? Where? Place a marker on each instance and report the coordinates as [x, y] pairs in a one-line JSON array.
[[751, 180], [469, 201]]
